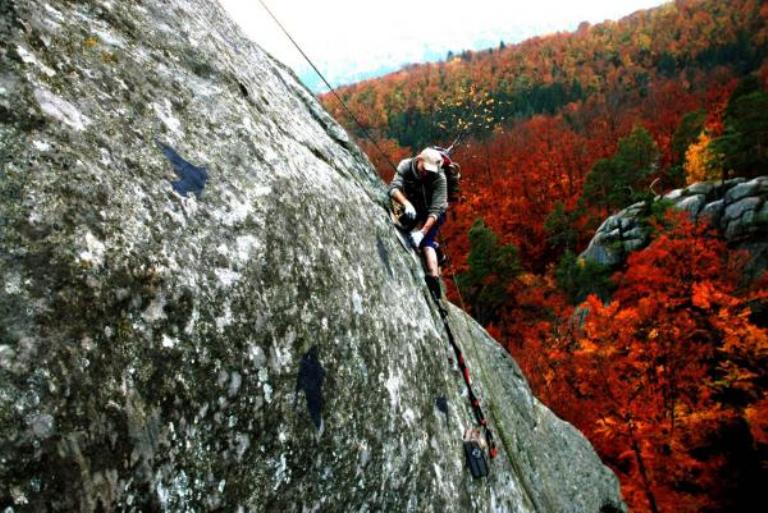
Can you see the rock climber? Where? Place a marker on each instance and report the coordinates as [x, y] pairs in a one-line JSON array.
[[421, 187]]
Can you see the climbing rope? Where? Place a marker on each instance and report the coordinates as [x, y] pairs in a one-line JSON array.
[[328, 85], [473, 399], [502, 435]]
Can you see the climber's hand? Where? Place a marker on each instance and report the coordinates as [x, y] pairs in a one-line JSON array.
[[410, 212], [416, 238]]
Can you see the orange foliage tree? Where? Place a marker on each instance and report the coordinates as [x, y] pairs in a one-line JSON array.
[[671, 365]]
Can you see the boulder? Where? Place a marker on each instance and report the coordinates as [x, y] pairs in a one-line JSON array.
[[704, 188], [740, 191], [736, 206], [740, 207], [713, 211], [691, 204]]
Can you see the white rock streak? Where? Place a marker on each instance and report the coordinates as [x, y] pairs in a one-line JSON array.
[[60, 109]]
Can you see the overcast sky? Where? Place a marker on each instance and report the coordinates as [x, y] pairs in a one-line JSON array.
[[354, 39]]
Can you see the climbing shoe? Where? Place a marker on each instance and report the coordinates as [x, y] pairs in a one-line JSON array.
[[433, 284]]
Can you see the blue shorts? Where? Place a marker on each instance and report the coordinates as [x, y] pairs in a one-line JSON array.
[[429, 238]]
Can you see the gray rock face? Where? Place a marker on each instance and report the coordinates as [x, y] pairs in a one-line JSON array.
[[741, 190], [736, 207], [692, 204], [714, 211], [204, 306]]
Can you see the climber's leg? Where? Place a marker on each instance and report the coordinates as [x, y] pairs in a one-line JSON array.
[[430, 260], [430, 245]]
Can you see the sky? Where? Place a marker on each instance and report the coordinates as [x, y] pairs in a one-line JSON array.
[[350, 40]]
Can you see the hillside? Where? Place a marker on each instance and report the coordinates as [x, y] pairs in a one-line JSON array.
[[614, 61], [564, 131]]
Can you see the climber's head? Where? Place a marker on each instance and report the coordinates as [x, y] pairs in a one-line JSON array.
[[428, 161]]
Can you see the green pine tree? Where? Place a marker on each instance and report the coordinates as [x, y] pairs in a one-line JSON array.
[[578, 278], [560, 227], [616, 182], [742, 150], [492, 267]]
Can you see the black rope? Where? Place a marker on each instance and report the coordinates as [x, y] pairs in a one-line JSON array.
[[503, 438], [322, 77]]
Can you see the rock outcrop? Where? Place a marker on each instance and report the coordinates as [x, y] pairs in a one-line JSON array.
[[204, 306], [737, 207]]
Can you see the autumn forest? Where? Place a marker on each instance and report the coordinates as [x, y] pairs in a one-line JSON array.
[[661, 362]]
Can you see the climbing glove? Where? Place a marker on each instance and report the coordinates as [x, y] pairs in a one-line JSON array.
[[410, 212], [416, 238]]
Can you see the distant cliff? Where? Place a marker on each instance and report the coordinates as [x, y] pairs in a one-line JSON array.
[[204, 306], [738, 208]]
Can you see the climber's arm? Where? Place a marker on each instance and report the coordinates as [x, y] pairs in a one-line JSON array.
[[398, 196], [395, 188], [428, 224], [439, 201]]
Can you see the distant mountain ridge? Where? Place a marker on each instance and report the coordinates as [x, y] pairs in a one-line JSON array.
[[544, 74]]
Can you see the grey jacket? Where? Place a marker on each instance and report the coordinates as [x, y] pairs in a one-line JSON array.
[[429, 197]]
